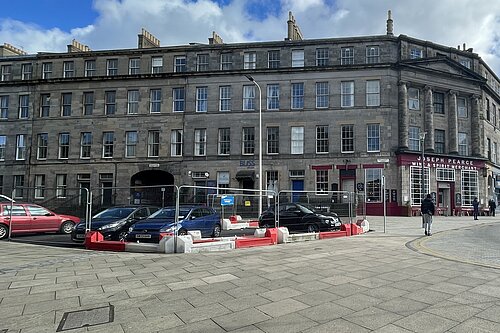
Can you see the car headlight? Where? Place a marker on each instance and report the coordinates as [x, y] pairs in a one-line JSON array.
[[168, 229], [110, 226]]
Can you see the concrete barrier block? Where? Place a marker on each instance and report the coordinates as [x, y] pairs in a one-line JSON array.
[[347, 228], [142, 247], [162, 244], [355, 229], [273, 234], [226, 223], [212, 247], [260, 232], [195, 234], [283, 235], [364, 224], [183, 243]]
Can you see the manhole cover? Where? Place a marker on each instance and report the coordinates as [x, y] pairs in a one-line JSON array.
[[85, 318]]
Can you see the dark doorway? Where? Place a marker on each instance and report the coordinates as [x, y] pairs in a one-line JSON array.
[[152, 187]]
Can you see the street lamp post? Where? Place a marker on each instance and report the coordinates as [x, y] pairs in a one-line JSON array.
[[422, 138], [251, 79]]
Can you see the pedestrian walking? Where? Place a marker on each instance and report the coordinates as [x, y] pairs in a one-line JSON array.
[[427, 208], [493, 206], [475, 206]]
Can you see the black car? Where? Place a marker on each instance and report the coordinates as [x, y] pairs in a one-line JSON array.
[[300, 217], [113, 223]]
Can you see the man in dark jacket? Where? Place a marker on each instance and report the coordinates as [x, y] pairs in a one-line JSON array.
[[475, 208], [427, 208], [493, 206]]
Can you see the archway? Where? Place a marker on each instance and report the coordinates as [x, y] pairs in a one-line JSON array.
[[152, 187]]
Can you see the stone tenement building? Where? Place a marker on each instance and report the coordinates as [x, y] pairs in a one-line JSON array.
[[334, 111]]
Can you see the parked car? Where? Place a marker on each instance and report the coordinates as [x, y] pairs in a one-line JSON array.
[[300, 217], [204, 219], [113, 223], [31, 218]]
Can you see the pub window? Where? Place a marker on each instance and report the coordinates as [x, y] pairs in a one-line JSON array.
[[416, 194], [373, 185], [469, 186]]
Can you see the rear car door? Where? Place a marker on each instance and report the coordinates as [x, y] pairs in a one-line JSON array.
[[196, 221], [42, 219], [21, 221], [211, 218]]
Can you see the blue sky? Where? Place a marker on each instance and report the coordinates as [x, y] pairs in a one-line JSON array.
[[50, 25]]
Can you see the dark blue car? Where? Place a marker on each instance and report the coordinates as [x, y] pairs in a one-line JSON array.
[[204, 219]]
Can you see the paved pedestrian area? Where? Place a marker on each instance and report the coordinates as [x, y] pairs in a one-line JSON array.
[[397, 281]]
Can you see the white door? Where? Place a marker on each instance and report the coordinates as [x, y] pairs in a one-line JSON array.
[[347, 186]]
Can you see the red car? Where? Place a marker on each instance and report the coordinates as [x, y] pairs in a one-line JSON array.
[[27, 218]]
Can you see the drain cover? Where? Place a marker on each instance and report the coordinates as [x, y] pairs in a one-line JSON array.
[[85, 318]]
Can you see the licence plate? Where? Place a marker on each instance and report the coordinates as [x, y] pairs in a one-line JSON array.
[[80, 236], [142, 236]]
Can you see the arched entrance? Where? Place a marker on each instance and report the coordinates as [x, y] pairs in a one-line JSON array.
[[152, 187]]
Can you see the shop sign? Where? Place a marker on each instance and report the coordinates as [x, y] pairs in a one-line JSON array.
[[441, 162]]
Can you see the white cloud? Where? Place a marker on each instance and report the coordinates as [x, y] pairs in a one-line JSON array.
[[177, 22]]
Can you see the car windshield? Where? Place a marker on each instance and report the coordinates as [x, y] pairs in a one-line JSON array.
[[116, 212], [169, 213], [307, 208]]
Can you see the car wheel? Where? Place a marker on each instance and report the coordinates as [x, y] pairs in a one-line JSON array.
[[4, 231], [122, 236], [216, 232], [182, 232], [312, 228], [67, 227]]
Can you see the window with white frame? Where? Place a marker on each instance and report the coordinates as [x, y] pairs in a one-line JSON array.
[[112, 67], [26, 71], [155, 101], [18, 186], [462, 107], [202, 62], [297, 140], [179, 99], [180, 64], [249, 97], [248, 141], [470, 188], [61, 185], [134, 66], [373, 138], [47, 70], [414, 138], [88, 103], [372, 54], [272, 181], [131, 141], [347, 138], [273, 140], [273, 96], [176, 142], [44, 105], [66, 99], [21, 147], [416, 53], [4, 107], [273, 59], [249, 60], [201, 99], [110, 100], [322, 182], [68, 69], [3, 143], [438, 102], [297, 58], [63, 146], [322, 94], [373, 93], [439, 141], [90, 68], [225, 98], [108, 144], [322, 139], [156, 65], [39, 186], [416, 194], [413, 99], [298, 95], [445, 175], [24, 104], [347, 94], [322, 57], [85, 145], [226, 61], [200, 142], [153, 143], [224, 141], [347, 56], [373, 185], [133, 102], [42, 146], [463, 144]]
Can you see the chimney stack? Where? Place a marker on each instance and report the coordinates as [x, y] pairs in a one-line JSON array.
[[294, 32], [8, 50], [76, 46], [390, 24], [215, 39], [147, 40]]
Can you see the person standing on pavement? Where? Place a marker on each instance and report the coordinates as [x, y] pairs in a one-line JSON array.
[[493, 206], [475, 206], [427, 208]]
